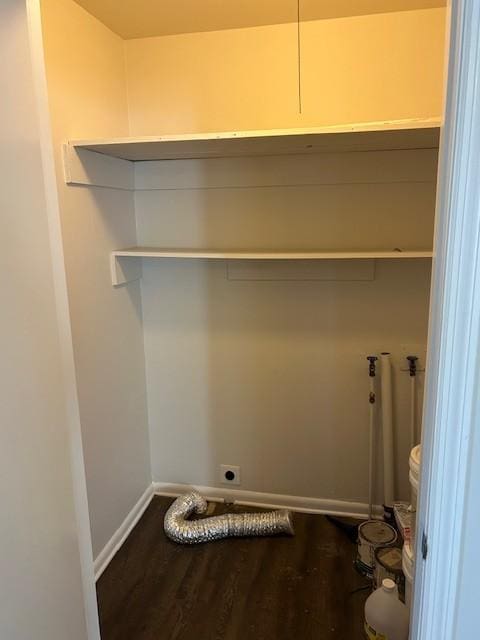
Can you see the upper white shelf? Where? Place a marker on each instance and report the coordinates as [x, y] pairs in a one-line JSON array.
[[369, 136], [249, 254]]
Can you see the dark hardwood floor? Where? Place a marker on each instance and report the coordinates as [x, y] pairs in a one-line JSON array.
[[238, 589]]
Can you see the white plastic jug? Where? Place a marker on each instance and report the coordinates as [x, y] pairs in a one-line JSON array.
[[386, 618]]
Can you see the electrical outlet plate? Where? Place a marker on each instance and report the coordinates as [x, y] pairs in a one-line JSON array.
[[225, 469], [419, 350]]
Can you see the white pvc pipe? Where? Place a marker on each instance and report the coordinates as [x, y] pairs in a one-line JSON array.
[[371, 468], [387, 430], [413, 426]]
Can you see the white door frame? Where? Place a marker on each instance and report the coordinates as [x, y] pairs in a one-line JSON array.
[[451, 398]]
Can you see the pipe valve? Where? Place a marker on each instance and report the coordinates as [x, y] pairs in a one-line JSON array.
[[371, 366], [412, 365]]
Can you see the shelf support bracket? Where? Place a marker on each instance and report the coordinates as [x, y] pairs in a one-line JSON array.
[[89, 168], [125, 269]]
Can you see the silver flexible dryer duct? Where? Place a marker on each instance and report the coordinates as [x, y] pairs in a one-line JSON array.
[[179, 529]]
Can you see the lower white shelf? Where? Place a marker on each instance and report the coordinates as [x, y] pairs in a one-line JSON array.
[[126, 263]]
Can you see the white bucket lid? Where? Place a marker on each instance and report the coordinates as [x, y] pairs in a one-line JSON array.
[[408, 561], [414, 462]]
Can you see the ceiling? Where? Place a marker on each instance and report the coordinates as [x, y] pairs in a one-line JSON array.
[[146, 18]]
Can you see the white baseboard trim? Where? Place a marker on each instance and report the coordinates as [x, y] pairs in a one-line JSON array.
[[218, 494], [105, 556], [271, 500]]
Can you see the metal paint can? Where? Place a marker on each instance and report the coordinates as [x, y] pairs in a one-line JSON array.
[[388, 564], [372, 534]]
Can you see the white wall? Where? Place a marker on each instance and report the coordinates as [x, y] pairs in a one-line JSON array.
[[356, 69], [86, 82], [272, 375], [41, 594]]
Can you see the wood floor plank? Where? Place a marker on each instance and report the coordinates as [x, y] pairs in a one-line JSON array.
[[275, 588]]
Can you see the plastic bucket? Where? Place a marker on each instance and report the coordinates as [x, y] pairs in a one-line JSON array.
[[408, 566], [372, 534], [414, 477]]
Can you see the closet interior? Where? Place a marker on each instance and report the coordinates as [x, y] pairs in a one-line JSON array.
[[247, 204]]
